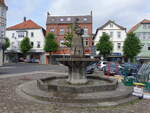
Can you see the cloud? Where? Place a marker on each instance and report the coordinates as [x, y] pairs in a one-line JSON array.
[[30, 8], [124, 12]]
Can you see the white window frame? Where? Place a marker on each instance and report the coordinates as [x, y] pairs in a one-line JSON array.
[[62, 31]]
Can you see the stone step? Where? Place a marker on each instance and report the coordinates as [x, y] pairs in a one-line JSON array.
[[121, 94]]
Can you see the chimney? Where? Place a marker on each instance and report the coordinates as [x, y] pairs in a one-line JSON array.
[[48, 14], [91, 12], [25, 19]]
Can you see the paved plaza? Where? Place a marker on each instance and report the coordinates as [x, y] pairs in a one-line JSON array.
[[11, 102]]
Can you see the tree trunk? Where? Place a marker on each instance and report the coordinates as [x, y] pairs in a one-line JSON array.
[[50, 58]]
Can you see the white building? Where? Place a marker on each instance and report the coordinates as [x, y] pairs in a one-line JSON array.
[[117, 36], [29, 29], [3, 10]]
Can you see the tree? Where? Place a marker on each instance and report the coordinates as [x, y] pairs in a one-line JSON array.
[[50, 44], [68, 37], [25, 45], [104, 46], [132, 46], [5, 46]]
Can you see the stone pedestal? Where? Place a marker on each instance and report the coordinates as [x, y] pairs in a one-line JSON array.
[[77, 73], [76, 69]]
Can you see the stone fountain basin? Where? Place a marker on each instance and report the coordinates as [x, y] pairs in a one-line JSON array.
[[94, 84], [69, 61]]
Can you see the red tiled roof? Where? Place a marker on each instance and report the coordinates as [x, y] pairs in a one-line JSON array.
[[137, 25], [29, 24]]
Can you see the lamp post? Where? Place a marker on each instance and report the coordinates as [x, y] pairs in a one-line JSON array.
[[2, 47]]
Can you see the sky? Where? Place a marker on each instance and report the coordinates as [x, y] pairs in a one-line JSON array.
[[124, 12]]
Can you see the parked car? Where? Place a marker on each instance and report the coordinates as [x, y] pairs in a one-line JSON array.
[[101, 65], [112, 68], [130, 69], [32, 60], [90, 69]]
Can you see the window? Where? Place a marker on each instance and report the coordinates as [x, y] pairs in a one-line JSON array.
[[62, 31], [68, 19], [144, 36], [13, 35], [119, 45], [38, 44], [85, 19], [86, 42], [32, 34], [119, 34], [52, 30], [21, 34], [13, 43], [111, 25], [53, 19], [103, 32], [146, 26], [32, 44], [85, 31], [61, 19], [142, 45], [111, 34], [61, 43]]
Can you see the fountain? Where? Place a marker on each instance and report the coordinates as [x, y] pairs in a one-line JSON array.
[[76, 88], [77, 63]]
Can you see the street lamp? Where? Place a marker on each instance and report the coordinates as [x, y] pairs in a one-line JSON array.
[[2, 47], [2, 43]]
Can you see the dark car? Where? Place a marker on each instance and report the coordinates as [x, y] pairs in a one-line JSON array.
[[90, 69]]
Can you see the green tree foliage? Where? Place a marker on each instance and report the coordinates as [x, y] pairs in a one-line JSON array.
[[50, 43], [7, 44], [68, 37], [25, 45], [104, 46], [132, 46]]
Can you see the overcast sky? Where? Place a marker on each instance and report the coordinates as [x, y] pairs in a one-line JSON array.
[[124, 12]]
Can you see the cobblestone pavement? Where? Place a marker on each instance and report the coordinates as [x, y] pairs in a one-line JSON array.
[[10, 102]]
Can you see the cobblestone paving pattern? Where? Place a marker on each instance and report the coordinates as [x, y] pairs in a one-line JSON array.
[[10, 102]]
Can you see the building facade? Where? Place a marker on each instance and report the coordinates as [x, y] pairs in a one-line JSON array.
[[3, 10], [142, 31], [117, 35], [59, 25], [29, 29]]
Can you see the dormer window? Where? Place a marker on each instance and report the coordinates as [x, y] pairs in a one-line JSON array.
[[61, 19], [85, 19], [53, 19], [68, 19]]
